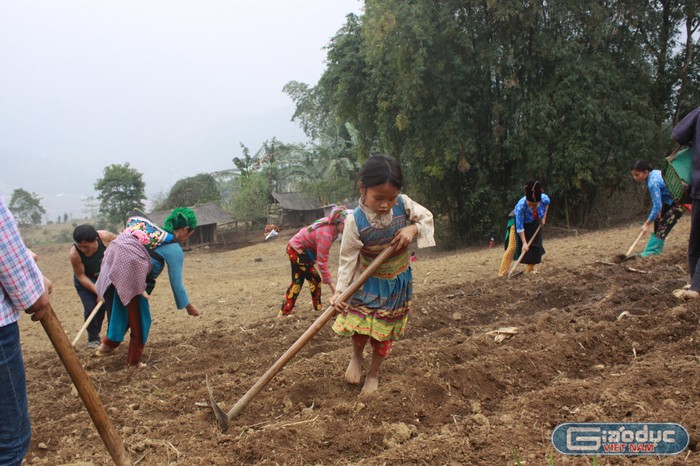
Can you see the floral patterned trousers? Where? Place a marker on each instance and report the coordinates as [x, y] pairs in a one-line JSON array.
[[302, 269], [667, 219]]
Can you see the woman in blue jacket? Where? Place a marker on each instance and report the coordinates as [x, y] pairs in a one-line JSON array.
[[665, 212]]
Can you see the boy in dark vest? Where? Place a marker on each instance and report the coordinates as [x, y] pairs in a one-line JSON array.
[[86, 258]]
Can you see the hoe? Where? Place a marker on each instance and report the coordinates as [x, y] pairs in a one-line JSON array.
[[512, 269], [224, 418], [87, 322], [86, 390]]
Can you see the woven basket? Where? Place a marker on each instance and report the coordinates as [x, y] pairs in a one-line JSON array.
[[676, 172]]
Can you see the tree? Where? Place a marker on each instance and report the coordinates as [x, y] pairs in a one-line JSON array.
[[251, 199], [90, 207], [475, 98], [194, 190], [120, 190], [26, 207], [246, 164], [327, 167]]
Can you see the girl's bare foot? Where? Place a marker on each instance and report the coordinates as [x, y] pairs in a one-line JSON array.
[[353, 374], [372, 378], [370, 386]]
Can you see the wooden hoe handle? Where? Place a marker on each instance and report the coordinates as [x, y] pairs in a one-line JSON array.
[[87, 322], [86, 390], [512, 269], [639, 236]]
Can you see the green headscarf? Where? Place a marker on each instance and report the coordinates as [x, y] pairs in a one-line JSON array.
[[180, 217]]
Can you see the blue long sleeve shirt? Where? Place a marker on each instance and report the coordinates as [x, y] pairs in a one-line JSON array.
[[523, 214], [175, 259], [659, 193]]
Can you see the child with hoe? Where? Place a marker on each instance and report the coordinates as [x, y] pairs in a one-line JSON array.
[[378, 312], [308, 247]]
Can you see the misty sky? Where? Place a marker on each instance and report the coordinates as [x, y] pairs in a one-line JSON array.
[[172, 87]]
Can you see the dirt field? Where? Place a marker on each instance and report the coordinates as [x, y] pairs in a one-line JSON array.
[[449, 394]]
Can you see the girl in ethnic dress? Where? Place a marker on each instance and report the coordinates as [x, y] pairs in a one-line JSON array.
[[665, 212], [308, 247], [378, 312], [529, 213]]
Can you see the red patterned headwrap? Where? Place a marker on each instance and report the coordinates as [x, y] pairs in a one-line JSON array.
[[337, 215]]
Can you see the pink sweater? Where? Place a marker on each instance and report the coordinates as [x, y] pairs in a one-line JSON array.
[[317, 244]]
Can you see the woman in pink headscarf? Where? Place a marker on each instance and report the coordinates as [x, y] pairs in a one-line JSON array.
[[308, 247]]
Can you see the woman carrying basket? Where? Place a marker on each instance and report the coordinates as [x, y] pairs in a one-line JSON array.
[[686, 132], [665, 211]]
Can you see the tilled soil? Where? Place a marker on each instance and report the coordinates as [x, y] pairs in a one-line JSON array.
[[596, 341]]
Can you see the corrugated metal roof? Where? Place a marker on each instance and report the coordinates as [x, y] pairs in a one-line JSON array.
[[207, 214], [295, 201]]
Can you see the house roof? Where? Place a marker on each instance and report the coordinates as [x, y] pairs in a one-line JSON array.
[[295, 201], [207, 214]]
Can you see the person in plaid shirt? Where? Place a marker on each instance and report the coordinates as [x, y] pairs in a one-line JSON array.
[[23, 288]]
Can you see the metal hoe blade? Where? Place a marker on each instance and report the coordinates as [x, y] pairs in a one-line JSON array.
[[221, 416]]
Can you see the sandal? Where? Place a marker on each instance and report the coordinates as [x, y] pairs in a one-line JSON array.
[[686, 294], [103, 352]]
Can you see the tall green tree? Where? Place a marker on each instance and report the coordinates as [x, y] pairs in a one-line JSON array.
[[687, 61], [327, 166], [251, 199], [194, 190], [475, 98], [26, 207], [120, 190]]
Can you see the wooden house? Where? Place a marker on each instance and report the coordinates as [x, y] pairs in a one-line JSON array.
[[293, 210], [209, 217]]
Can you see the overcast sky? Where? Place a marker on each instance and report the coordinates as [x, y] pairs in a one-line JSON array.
[[172, 87]]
